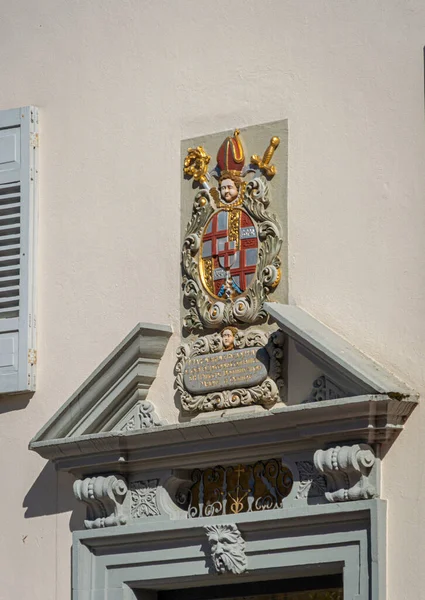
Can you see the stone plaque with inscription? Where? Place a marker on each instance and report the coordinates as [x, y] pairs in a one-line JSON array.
[[229, 369], [224, 371]]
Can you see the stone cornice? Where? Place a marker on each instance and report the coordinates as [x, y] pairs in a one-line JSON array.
[[370, 419]]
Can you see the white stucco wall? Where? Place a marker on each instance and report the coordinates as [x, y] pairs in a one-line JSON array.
[[119, 84]]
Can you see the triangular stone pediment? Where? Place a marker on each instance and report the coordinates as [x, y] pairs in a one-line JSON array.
[[346, 371], [113, 398], [352, 397]]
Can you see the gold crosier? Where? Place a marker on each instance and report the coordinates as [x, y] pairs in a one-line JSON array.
[[237, 505]]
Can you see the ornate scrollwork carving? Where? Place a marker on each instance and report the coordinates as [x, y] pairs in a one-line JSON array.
[[104, 497], [241, 488], [347, 470], [141, 416], [196, 164], [247, 307], [265, 393], [227, 548], [324, 389]]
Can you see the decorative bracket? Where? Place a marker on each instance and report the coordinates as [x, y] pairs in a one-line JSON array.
[[347, 470], [104, 497]]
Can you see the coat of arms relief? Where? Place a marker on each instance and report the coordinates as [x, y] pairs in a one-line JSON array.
[[231, 265]]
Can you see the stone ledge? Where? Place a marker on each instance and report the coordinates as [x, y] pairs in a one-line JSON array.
[[262, 521], [371, 419]]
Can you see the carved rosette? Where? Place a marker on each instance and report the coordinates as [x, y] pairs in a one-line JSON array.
[[347, 470], [104, 497], [227, 548], [143, 498], [206, 312], [266, 393]]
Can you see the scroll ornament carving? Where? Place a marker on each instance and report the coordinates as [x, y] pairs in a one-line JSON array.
[[266, 393], [143, 498], [312, 483], [104, 497], [324, 389], [142, 416], [206, 312], [347, 470], [227, 548]]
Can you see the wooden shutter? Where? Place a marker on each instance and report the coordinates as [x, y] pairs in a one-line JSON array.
[[18, 217]]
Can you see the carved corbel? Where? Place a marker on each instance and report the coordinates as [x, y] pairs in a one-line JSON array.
[[347, 470], [104, 497]]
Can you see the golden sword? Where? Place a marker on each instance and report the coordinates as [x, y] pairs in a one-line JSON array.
[[264, 163]]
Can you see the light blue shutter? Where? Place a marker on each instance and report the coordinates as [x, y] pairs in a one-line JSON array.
[[18, 218]]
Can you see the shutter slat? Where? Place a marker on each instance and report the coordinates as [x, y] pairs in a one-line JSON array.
[[9, 302], [9, 313], [10, 261], [10, 185], [8, 209], [9, 270], [9, 241], [9, 229], [9, 250], [9, 281], [15, 194], [9, 290]]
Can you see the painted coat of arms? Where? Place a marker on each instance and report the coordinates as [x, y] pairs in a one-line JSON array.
[[230, 254], [230, 266]]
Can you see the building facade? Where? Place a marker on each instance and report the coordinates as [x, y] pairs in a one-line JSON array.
[[118, 86]]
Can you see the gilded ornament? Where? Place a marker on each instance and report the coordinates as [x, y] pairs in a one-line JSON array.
[[196, 164], [234, 225], [264, 163], [239, 489]]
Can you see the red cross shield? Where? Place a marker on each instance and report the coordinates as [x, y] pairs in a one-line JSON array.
[[228, 265]]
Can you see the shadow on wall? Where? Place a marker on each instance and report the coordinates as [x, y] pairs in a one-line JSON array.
[[14, 402], [51, 494]]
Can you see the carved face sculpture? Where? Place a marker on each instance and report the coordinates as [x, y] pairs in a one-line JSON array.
[[227, 548], [228, 339], [228, 191]]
